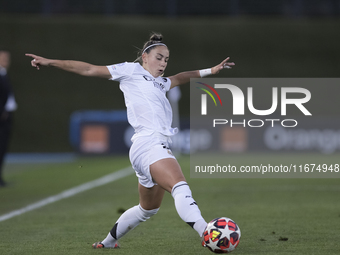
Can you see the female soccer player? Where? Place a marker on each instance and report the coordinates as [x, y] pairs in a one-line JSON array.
[[149, 113]]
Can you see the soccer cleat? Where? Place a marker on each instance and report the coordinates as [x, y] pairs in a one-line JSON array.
[[99, 245]]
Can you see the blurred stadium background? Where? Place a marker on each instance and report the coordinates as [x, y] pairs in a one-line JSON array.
[[285, 38]]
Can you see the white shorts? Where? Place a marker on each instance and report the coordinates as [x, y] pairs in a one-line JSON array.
[[146, 150]]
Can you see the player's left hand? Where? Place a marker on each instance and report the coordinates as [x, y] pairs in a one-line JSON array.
[[222, 65]]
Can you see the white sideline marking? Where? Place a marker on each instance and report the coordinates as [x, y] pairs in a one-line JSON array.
[[70, 192]]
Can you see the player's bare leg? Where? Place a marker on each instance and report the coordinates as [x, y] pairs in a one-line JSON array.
[[150, 200], [168, 174]]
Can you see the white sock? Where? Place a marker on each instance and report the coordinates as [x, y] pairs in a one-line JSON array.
[[109, 241], [126, 222], [187, 208]]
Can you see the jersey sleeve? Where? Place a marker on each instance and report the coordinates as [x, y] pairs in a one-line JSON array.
[[167, 82], [120, 71]]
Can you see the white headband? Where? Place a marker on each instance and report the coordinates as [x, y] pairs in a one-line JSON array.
[[155, 44]]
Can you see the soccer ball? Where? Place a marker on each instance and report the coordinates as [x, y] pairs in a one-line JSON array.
[[222, 235]]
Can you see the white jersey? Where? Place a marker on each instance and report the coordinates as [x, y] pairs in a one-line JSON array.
[[148, 109]]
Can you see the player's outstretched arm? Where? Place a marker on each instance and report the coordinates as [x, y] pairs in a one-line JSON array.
[[184, 77], [77, 67]]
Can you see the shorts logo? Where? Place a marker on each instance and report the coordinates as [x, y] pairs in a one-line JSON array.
[[168, 149]]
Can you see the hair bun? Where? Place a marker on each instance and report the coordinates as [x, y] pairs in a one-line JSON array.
[[156, 37]]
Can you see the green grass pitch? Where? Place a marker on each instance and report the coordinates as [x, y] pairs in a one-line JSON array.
[[276, 216]]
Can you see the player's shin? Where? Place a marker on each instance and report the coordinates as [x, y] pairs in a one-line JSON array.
[[187, 208], [127, 221]]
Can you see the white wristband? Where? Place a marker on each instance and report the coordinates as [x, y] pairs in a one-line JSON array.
[[205, 72]]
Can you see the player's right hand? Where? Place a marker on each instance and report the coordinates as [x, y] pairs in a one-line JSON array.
[[37, 61]]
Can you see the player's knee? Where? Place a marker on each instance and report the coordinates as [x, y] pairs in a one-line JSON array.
[[144, 215]]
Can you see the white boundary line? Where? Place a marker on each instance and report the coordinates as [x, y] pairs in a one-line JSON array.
[[70, 192]]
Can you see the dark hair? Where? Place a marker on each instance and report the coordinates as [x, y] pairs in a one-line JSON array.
[[154, 38]]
